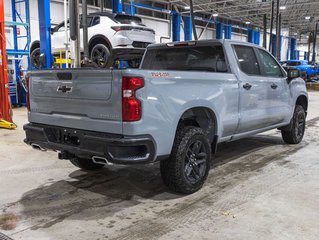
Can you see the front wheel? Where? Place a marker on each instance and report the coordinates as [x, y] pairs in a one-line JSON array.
[[187, 168], [298, 125]]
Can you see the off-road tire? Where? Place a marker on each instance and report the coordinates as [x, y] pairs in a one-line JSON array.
[[173, 170], [86, 164], [298, 125]]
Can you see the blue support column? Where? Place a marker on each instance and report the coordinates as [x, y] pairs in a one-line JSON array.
[[45, 31], [228, 31], [293, 44], [297, 55], [176, 28], [256, 37], [129, 9], [188, 28], [219, 31], [117, 6], [305, 57], [251, 36]]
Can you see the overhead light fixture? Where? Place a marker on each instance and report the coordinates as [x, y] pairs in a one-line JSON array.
[[215, 15], [307, 17], [282, 7], [247, 22], [187, 7]]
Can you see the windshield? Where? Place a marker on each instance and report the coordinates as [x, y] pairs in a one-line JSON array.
[[293, 64], [125, 19], [201, 58]]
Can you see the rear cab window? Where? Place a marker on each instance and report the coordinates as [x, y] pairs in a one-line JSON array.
[[126, 19], [186, 58]]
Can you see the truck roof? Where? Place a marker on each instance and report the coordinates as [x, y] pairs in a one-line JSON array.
[[199, 42]]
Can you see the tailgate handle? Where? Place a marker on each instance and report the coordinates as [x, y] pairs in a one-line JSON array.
[[64, 89]]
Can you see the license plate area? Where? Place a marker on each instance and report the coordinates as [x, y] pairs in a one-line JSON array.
[[64, 136]]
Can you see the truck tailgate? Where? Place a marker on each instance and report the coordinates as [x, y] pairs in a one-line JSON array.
[[79, 98]]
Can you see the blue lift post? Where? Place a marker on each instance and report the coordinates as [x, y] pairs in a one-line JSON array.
[[188, 28], [176, 27], [16, 89], [219, 30], [256, 37], [251, 35], [129, 9], [45, 31], [117, 6], [293, 45]]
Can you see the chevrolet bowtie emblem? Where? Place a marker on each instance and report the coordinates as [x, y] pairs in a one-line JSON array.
[[64, 89]]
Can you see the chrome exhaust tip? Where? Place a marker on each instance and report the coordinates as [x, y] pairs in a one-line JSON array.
[[101, 160], [38, 147]]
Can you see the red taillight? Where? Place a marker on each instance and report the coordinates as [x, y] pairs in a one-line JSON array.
[[122, 28], [116, 28], [131, 106], [27, 93]]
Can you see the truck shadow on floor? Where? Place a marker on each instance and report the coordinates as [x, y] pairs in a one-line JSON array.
[[109, 191]]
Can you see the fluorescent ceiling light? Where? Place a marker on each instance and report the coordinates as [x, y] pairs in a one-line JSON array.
[[215, 15], [307, 17], [282, 7]]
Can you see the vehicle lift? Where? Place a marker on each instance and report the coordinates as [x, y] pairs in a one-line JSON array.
[[5, 111]]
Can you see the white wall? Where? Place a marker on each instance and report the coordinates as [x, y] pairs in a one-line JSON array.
[[161, 26]]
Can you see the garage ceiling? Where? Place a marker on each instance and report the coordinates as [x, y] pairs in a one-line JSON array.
[[295, 13]]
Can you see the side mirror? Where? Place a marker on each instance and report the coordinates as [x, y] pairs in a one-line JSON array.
[[292, 73]]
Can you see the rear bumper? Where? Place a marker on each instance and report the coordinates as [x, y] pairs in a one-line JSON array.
[[117, 149]]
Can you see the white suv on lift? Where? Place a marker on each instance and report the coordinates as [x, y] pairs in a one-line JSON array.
[[108, 34]]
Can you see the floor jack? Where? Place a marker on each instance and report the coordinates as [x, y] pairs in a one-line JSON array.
[[7, 125]]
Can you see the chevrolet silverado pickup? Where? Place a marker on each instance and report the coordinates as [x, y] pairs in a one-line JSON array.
[[185, 98]]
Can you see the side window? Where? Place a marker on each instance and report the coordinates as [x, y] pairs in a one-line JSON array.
[[270, 66], [95, 21], [88, 21], [247, 59]]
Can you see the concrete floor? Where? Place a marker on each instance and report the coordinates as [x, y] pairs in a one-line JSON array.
[[258, 188]]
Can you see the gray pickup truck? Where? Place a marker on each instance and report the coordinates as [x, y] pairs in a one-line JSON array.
[[185, 98]]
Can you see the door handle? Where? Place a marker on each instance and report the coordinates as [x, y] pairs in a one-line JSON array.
[[247, 86], [274, 86]]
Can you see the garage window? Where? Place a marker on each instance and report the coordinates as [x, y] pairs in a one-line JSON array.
[[199, 58]]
